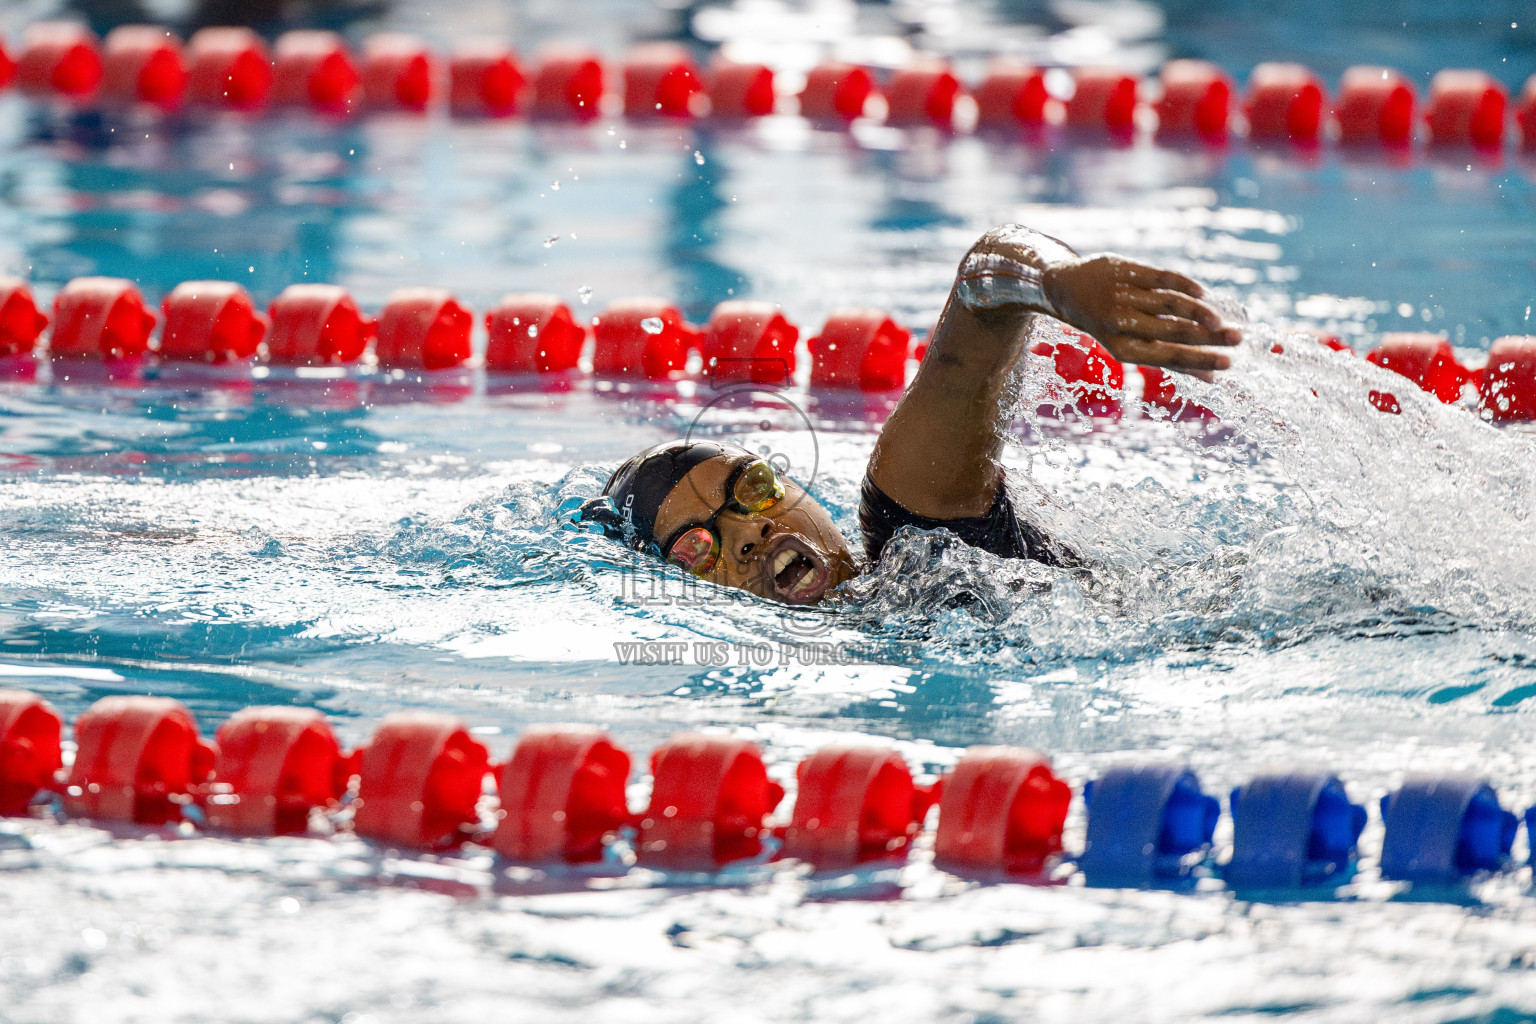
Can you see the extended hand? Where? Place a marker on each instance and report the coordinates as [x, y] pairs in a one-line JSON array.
[[1141, 314]]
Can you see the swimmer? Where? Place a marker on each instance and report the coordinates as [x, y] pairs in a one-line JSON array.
[[724, 514]]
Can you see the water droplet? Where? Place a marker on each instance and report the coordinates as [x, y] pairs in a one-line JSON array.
[[584, 293], [698, 158], [533, 330], [549, 243], [621, 143], [652, 325], [554, 186]]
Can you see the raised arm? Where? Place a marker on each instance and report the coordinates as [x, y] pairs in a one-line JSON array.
[[937, 454]]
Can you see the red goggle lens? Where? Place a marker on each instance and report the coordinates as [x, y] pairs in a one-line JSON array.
[[695, 551]]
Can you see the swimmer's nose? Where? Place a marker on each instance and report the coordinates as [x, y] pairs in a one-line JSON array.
[[753, 538]]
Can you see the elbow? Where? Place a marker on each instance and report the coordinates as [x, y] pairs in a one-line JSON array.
[[1024, 244]]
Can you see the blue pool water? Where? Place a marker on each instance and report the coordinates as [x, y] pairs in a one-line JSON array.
[[1320, 585]]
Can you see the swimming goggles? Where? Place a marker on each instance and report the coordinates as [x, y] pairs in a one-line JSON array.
[[751, 489]]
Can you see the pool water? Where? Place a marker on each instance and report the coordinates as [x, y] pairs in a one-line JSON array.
[[1312, 584]]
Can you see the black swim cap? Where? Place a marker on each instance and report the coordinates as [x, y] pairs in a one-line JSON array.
[[639, 486]]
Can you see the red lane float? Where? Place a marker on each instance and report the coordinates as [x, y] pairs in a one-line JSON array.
[[59, 58], [854, 805], [316, 325], [1285, 101], [485, 80], [1465, 108], [532, 333], [100, 318], [836, 92], [274, 766], [423, 329], [1196, 100], [740, 90], [1159, 390], [30, 754], [312, 68], [1105, 100], [709, 798], [210, 322], [641, 338], [1375, 105], [568, 84], [1507, 388], [1525, 114], [7, 66], [747, 340], [21, 323], [420, 781], [228, 67], [143, 64], [562, 794], [1091, 376], [1426, 359], [137, 759], [1001, 812], [396, 72], [1010, 96], [860, 348], [924, 94], [660, 80]]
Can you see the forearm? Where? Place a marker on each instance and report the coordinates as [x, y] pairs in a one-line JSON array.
[[981, 333], [938, 452]]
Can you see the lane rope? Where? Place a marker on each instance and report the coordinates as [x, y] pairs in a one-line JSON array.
[[102, 319], [419, 781], [233, 69]]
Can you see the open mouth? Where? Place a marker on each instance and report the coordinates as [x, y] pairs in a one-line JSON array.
[[796, 574]]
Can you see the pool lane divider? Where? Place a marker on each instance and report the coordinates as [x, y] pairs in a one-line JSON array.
[[419, 782], [743, 341], [233, 68]]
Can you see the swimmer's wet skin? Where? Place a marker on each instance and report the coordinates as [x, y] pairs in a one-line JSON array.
[[723, 514]]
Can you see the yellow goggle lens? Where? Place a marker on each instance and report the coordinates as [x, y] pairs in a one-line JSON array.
[[758, 488]]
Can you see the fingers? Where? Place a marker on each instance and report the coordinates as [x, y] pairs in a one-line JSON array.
[[1169, 328], [1199, 362], [1153, 278], [1162, 302]]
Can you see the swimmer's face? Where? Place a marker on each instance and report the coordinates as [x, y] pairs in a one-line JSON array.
[[789, 552]]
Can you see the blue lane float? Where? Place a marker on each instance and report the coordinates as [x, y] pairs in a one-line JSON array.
[[1292, 830], [1144, 823], [1441, 829]]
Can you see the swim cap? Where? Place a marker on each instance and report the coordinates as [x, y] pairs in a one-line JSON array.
[[639, 486]]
